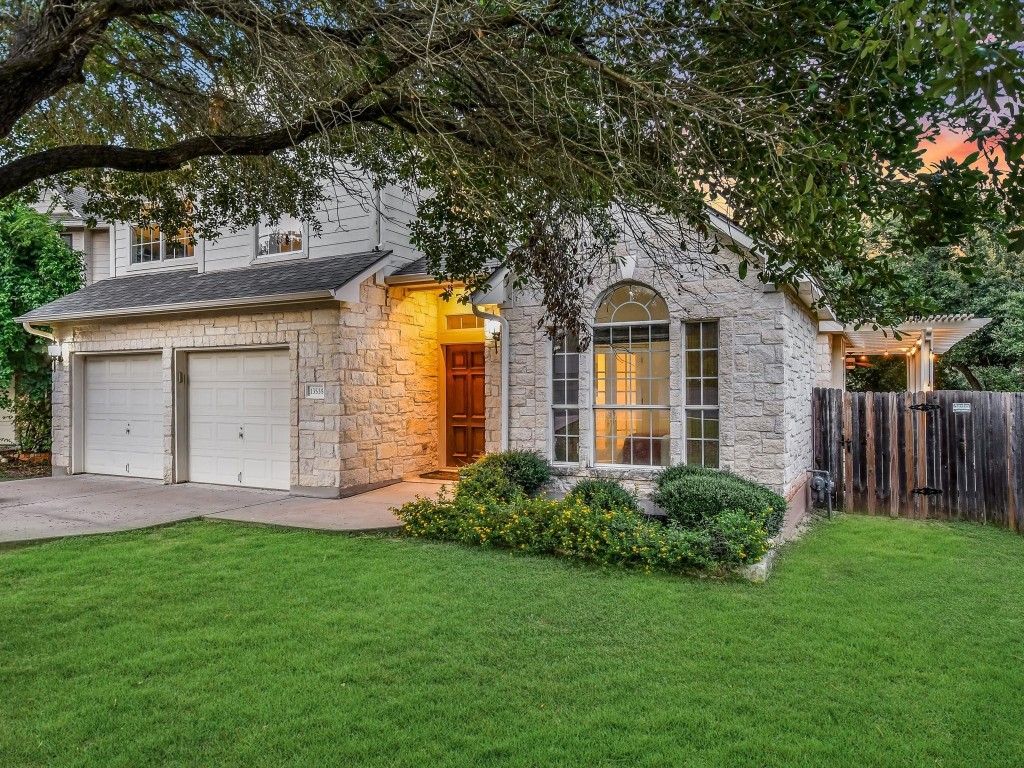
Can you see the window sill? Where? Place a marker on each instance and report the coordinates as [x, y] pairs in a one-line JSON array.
[[169, 265], [274, 258], [646, 468]]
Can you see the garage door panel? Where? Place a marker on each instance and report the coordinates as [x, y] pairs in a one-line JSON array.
[[255, 399], [257, 435], [200, 400], [200, 366], [213, 468], [234, 442], [117, 399], [255, 366], [280, 367], [123, 419], [280, 400]]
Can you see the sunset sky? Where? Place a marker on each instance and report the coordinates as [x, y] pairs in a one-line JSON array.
[[948, 144]]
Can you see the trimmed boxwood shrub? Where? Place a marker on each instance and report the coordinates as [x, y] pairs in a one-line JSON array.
[[527, 470], [604, 495], [696, 497], [669, 474]]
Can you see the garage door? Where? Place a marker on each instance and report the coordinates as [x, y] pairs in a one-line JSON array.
[[239, 418], [124, 426]]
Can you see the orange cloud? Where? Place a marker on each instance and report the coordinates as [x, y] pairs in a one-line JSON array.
[[953, 144]]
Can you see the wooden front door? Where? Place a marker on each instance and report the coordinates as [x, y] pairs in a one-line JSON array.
[[464, 387]]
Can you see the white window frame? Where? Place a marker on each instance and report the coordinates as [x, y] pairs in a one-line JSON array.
[[164, 259], [302, 253], [688, 407], [579, 407], [595, 408]]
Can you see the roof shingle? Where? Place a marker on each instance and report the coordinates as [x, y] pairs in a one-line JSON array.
[[167, 291]]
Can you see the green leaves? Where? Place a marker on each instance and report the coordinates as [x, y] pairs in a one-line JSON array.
[[544, 134], [36, 267]]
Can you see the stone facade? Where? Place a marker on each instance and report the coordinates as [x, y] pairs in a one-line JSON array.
[[766, 370], [801, 366], [823, 375], [378, 361]]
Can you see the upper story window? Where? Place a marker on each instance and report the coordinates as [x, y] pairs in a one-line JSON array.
[[702, 434], [282, 236], [148, 245], [631, 378]]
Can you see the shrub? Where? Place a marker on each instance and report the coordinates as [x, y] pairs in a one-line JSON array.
[[695, 499], [669, 474], [31, 415], [605, 495], [717, 519], [487, 482], [736, 538], [568, 528], [526, 469]]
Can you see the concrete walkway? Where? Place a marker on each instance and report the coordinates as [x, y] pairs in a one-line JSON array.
[[50, 508]]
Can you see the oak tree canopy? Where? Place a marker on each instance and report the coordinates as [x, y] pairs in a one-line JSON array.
[[542, 130]]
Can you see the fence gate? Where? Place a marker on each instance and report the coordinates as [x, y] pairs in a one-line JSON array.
[[948, 455]]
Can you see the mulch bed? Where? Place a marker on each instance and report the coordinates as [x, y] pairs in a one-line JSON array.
[[13, 468]]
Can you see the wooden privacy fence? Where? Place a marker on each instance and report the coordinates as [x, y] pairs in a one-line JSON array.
[[948, 455]]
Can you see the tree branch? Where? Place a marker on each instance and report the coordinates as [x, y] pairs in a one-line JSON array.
[[969, 375], [25, 170]]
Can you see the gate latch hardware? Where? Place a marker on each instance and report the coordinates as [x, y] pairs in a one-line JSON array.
[[241, 433], [926, 491], [926, 407], [128, 429]]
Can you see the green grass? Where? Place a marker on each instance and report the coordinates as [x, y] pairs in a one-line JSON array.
[[875, 642]]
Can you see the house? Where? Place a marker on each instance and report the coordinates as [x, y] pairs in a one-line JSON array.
[[327, 363]]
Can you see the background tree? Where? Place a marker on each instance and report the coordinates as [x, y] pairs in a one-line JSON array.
[[991, 286], [36, 266], [992, 358], [544, 130], [885, 374]]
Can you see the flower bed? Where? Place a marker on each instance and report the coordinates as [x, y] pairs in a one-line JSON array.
[[596, 522]]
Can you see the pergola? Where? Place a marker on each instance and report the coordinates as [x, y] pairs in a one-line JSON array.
[[920, 340]]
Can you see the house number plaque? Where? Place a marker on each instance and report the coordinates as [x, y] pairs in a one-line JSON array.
[[314, 391]]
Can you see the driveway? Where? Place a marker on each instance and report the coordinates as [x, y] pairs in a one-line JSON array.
[[53, 507]]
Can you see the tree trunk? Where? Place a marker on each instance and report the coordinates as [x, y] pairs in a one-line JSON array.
[[969, 375]]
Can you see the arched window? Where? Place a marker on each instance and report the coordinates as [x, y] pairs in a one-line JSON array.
[[631, 377]]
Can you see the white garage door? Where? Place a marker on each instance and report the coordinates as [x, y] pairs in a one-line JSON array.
[[124, 410], [239, 418]]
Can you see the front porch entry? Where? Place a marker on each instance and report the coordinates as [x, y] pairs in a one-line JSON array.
[[464, 416]]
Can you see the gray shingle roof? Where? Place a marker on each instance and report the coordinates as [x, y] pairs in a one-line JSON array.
[[419, 267], [181, 290]]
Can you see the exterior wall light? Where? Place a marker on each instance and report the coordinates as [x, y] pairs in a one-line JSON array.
[[492, 330]]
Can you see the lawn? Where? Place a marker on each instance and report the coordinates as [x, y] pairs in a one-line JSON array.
[[876, 642]]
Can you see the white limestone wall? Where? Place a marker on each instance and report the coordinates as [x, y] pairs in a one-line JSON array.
[[801, 349], [754, 321], [823, 360]]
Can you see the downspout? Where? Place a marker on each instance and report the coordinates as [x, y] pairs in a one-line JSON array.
[[503, 322], [379, 222]]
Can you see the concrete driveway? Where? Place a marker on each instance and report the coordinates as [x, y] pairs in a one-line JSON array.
[[49, 508]]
